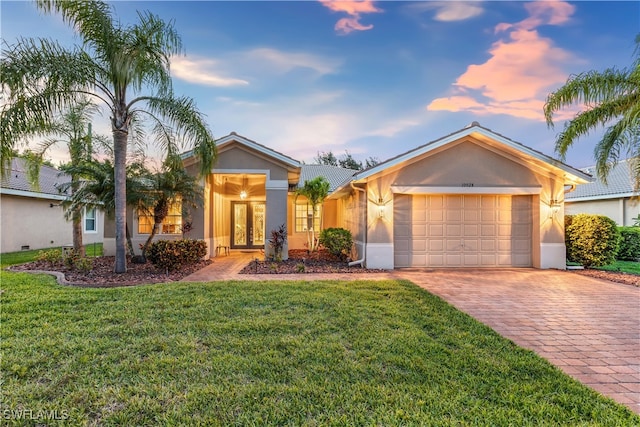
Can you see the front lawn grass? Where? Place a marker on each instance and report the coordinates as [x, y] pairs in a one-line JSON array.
[[270, 353], [631, 267]]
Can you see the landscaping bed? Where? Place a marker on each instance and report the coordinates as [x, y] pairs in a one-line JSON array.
[[302, 261], [612, 276], [101, 274]]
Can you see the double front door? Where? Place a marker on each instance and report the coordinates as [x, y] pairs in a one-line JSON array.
[[248, 225]]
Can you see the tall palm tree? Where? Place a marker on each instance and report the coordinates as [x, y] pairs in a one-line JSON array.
[[124, 67], [611, 98], [74, 128]]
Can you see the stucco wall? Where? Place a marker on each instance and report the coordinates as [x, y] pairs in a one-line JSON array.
[[468, 168], [240, 158], [32, 222], [622, 210]]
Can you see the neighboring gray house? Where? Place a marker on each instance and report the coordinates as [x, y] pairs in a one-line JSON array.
[[33, 218], [615, 199]]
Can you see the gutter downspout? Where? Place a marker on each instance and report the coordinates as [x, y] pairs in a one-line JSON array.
[[364, 234]]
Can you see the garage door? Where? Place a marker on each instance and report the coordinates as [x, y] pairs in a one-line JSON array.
[[462, 231]]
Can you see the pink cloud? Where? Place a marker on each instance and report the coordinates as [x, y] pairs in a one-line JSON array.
[[354, 9], [520, 72]]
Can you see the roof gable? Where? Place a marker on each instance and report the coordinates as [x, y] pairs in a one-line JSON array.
[[485, 136]]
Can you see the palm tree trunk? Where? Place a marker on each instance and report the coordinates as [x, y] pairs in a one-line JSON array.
[[129, 241], [120, 182], [154, 232], [76, 220]]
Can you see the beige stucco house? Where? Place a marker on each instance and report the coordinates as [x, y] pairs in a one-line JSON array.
[[31, 217], [615, 199], [473, 198]]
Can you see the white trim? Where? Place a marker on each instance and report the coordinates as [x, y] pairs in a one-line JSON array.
[[428, 189], [277, 184], [95, 221], [553, 255], [220, 143], [266, 172], [34, 194], [380, 255], [468, 131]]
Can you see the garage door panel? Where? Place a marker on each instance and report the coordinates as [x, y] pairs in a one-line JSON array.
[[463, 230]]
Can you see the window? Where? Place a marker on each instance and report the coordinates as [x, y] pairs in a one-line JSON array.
[[172, 224], [304, 215], [90, 223]]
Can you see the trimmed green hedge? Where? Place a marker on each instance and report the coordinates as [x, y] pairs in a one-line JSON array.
[[338, 241], [175, 254], [592, 240], [629, 249]]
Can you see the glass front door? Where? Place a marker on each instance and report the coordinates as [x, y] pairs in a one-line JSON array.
[[248, 225]]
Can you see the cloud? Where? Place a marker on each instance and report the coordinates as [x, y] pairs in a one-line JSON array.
[[283, 62], [354, 9], [448, 11], [521, 71], [201, 71]]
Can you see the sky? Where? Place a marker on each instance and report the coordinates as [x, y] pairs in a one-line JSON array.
[[374, 78]]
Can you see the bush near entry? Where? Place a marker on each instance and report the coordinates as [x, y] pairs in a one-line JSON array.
[[591, 240], [629, 249], [338, 241], [172, 255]]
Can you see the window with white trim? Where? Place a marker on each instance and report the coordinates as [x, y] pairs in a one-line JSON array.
[[305, 220], [90, 220], [172, 224]]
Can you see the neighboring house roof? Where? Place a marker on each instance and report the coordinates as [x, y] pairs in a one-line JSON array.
[[336, 175], [619, 184], [474, 129], [17, 184]]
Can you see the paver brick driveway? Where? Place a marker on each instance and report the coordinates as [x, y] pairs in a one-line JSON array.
[[590, 328]]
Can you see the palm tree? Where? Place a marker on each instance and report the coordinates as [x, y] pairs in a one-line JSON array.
[[169, 186], [126, 68], [74, 125], [611, 98], [315, 190], [97, 189]]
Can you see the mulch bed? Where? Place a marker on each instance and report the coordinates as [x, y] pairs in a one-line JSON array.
[[302, 261], [612, 276], [102, 275]]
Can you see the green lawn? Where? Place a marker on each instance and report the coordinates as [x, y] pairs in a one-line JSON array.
[[272, 353], [20, 257], [631, 267]]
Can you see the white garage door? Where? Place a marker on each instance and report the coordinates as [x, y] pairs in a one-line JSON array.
[[462, 230]]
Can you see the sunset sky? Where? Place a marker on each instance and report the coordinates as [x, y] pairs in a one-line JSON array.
[[375, 78]]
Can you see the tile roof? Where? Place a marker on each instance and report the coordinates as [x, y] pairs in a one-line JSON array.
[[48, 180], [336, 175], [619, 183]]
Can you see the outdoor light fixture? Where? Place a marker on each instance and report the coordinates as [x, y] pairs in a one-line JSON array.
[[380, 208], [554, 207], [243, 194]]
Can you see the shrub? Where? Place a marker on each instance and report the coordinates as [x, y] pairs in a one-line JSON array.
[[173, 255], [53, 257], [629, 249], [84, 265], [592, 240], [277, 241], [338, 241]]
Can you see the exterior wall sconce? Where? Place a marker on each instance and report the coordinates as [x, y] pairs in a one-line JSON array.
[[554, 207], [243, 194], [381, 208]]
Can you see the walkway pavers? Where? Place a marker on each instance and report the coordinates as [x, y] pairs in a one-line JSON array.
[[589, 328]]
